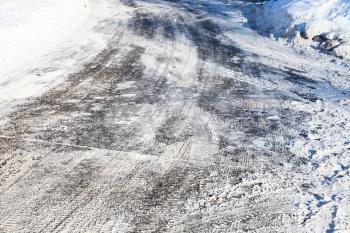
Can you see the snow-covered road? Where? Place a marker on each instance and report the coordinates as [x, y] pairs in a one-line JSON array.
[[172, 116]]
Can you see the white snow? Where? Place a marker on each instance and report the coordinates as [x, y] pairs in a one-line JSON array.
[[43, 41], [325, 206], [309, 18], [328, 148], [30, 29]]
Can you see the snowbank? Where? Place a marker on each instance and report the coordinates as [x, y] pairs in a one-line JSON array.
[[30, 28], [325, 21]]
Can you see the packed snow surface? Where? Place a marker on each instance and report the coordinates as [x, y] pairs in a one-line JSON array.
[[168, 115], [29, 29], [290, 18]]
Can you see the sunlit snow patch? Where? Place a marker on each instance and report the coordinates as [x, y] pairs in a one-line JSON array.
[[325, 23], [30, 28]]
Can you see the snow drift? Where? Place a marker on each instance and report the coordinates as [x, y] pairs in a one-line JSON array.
[[30, 28], [324, 22]]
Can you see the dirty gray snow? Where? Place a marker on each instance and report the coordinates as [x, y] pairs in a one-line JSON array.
[[174, 116]]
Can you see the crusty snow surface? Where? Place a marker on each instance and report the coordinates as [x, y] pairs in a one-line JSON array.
[[171, 116]]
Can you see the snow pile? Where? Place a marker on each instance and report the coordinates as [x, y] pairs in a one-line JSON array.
[[30, 28], [324, 22]]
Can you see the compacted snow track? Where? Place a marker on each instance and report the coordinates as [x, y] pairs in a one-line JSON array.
[[175, 126]]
